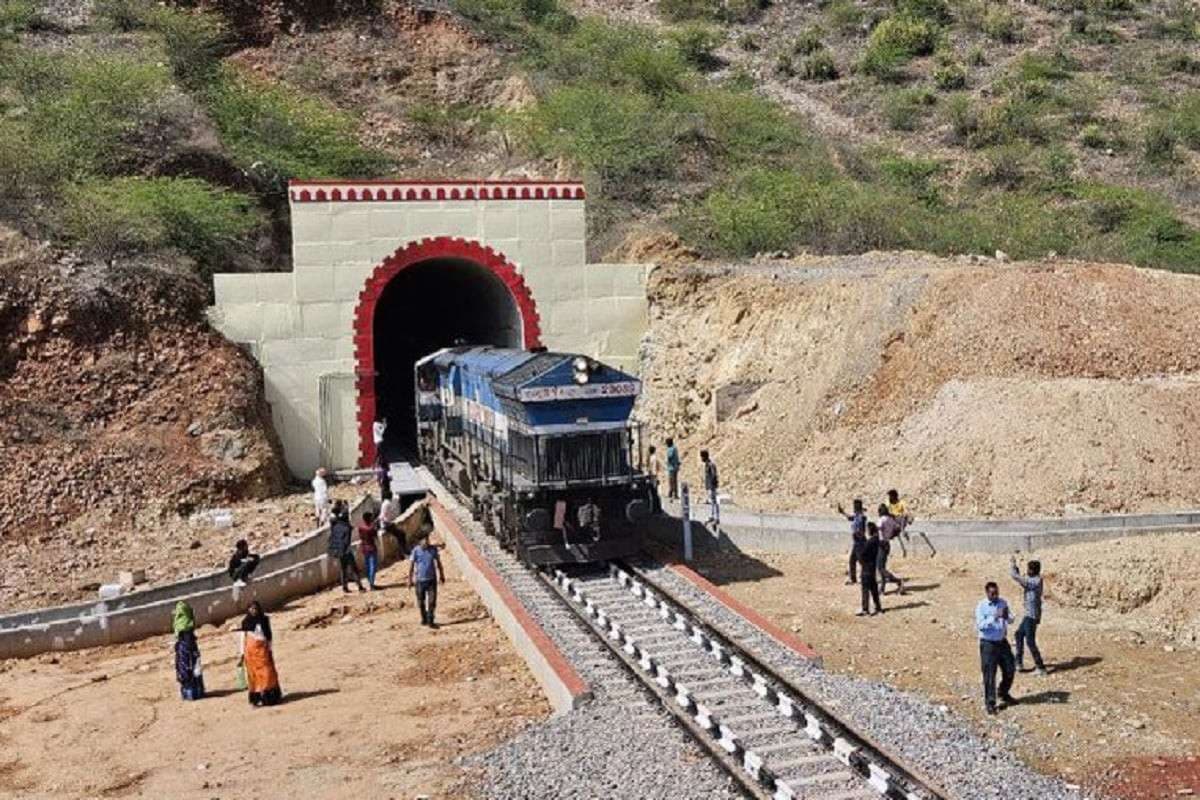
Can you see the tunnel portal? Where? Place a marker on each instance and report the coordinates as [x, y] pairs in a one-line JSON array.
[[433, 304]]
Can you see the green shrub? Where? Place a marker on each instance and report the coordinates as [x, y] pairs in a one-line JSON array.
[[685, 10], [1158, 142], [976, 57], [971, 13], [820, 66], [936, 11], [894, 42], [744, 127], [1093, 137], [962, 115], [1002, 25], [450, 124], [619, 54], [619, 134], [1181, 62], [518, 21], [844, 16], [748, 43], [129, 215], [282, 134], [1058, 167], [742, 11], [905, 109], [1180, 20], [808, 42], [85, 115], [1140, 228], [195, 42], [1014, 119], [913, 175], [949, 77], [124, 15], [1007, 166], [696, 42], [1185, 120], [16, 16], [1042, 67]]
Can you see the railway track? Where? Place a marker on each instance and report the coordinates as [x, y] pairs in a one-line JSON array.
[[776, 742]]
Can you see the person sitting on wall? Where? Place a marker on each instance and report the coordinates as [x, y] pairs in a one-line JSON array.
[[242, 563]]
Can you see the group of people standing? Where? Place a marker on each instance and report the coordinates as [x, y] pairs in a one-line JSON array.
[[712, 481], [992, 618], [256, 659], [870, 547]]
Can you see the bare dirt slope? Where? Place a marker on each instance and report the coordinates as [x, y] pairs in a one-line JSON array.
[[116, 398], [1118, 709], [976, 387], [376, 706]]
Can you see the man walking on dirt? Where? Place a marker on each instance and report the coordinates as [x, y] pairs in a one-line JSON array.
[[424, 570], [991, 621], [899, 511], [711, 484], [673, 465], [858, 535], [340, 541], [1027, 631], [889, 529], [868, 560]]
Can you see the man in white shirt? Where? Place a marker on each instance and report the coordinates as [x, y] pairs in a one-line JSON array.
[[320, 496], [377, 432]]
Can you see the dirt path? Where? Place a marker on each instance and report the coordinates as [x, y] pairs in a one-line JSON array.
[[1119, 708], [376, 706]]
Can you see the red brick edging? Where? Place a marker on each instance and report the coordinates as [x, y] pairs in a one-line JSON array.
[[564, 672], [749, 614]]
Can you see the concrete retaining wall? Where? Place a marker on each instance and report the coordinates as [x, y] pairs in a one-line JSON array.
[[291, 571], [562, 685], [784, 533]]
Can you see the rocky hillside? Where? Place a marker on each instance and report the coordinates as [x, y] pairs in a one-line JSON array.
[[115, 396], [977, 388]]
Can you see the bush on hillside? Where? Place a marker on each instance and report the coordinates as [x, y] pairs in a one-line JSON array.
[[844, 16], [1002, 25], [129, 215], [936, 11], [744, 127], [617, 54], [808, 41], [279, 134], [195, 43], [905, 109], [697, 43], [449, 124], [962, 115], [896, 41], [820, 66], [1180, 20], [514, 20], [1158, 142], [620, 135], [949, 77]]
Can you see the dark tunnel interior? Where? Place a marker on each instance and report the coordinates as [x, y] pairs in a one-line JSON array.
[[427, 306]]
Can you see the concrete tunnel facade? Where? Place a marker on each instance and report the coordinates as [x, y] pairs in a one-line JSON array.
[[385, 272]]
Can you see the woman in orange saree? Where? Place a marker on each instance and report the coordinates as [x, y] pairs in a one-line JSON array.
[[258, 659]]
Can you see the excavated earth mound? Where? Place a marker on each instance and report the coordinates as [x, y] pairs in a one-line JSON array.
[[115, 396], [975, 387]]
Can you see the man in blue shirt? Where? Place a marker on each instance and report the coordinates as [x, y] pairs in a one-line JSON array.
[[991, 621], [424, 569], [858, 536]]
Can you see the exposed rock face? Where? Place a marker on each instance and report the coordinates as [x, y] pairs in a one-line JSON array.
[[103, 372], [973, 387]]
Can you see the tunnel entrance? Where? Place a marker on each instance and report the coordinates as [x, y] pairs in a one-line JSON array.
[[429, 295]]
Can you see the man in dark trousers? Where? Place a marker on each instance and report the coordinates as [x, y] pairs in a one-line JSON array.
[[242, 563], [858, 535], [424, 570], [673, 464], [1027, 631], [889, 529], [340, 540], [868, 561], [711, 484], [991, 621]]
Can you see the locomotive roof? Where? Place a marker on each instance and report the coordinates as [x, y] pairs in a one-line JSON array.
[[508, 370]]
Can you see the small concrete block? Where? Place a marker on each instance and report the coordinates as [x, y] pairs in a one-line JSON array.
[[315, 254], [311, 222], [463, 222], [351, 227], [387, 221], [321, 321], [533, 222], [291, 352], [230, 288], [314, 284], [350, 280], [274, 287], [424, 220], [568, 253], [239, 323], [500, 220], [533, 255], [280, 320], [568, 223]]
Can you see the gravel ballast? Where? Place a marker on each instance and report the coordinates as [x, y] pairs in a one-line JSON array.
[[925, 735]]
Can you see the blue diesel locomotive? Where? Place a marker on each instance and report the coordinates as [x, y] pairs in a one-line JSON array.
[[539, 446]]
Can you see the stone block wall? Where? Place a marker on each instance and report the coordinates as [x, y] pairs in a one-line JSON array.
[[306, 326]]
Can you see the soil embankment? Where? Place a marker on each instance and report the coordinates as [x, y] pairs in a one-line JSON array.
[[120, 408], [976, 387]]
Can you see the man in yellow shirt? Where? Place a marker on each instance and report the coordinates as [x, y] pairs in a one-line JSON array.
[[899, 512]]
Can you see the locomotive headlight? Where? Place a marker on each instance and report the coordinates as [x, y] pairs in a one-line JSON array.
[[580, 364], [581, 378]]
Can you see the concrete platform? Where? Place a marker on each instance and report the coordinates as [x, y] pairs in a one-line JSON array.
[[799, 533]]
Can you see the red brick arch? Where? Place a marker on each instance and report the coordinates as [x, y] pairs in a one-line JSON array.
[[364, 316]]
